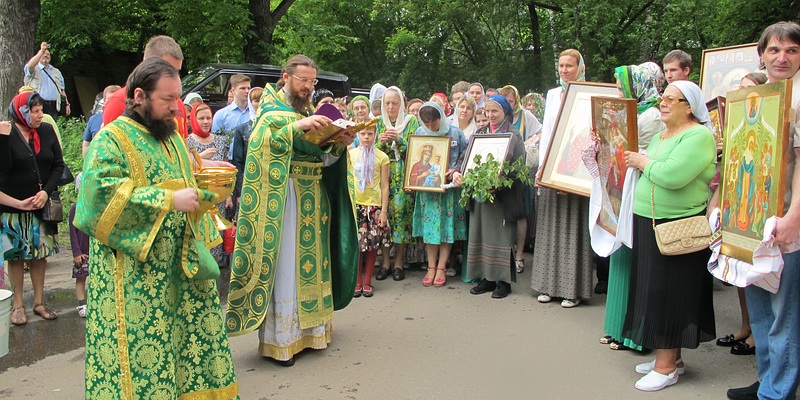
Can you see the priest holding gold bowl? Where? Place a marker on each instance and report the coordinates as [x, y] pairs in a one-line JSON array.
[[153, 292]]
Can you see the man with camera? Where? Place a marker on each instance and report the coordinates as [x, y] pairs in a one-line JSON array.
[[47, 80]]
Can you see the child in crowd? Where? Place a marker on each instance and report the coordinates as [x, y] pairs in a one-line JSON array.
[[371, 170], [432, 179], [438, 218], [480, 119], [80, 257]]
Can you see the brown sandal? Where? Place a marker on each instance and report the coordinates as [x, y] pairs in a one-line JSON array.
[[46, 313], [18, 316]]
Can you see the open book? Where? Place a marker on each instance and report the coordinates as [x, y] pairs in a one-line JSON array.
[[340, 126]]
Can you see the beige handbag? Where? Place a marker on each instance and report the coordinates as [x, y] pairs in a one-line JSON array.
[[686, 235]]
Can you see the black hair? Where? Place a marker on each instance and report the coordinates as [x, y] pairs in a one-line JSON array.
[[146, 75], [784, 31]]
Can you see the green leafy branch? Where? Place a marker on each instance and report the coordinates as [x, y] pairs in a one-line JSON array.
[[485, 179]]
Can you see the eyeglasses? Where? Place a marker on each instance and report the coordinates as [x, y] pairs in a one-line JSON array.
[[671, 100], [304, 80]]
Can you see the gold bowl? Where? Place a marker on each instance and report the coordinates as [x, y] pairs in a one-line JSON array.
[[221, 181]]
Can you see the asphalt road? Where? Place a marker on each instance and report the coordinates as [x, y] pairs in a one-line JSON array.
[[412, 342]]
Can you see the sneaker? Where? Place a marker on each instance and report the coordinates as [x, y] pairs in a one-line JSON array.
[[645, 368], [570, 303], [450, 272], [82, 311], [654, 381], [544, 298]]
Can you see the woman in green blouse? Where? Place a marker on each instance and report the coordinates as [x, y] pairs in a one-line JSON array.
[[670, 305]]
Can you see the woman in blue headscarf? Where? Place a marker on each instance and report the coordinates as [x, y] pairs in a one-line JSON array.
[[492, 226], [438, 218]]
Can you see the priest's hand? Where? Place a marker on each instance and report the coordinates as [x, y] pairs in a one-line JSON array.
[[347, 139], [214, 163], [5, 128], [313, 122], [186, 200]]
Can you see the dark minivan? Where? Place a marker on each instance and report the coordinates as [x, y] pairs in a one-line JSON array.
[[212, 81]]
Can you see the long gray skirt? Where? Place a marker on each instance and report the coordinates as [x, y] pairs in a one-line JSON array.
[[562, 257], [491, 239]]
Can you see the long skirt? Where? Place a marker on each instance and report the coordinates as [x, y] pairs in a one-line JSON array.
[[562, 261], [489, 247], [280, 335], [29, 238], [671, 304], [619, 281]]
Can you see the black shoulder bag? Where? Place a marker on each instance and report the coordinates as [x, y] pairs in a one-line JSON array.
[[53, 210]]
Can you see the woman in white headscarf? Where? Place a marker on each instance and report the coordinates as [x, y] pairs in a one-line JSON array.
[[478, 94], [670, 304], [562, 259], [393, 130]]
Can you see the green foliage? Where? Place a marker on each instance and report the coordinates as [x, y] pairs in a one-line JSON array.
[[484, 180], [71, 148]]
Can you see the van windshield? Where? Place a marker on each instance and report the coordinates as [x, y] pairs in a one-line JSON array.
[[194, 78]]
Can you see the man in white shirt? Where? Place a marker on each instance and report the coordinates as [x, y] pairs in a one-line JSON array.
[[47, 80]]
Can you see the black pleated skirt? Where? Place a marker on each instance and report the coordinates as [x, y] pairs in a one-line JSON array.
[[671, 303]]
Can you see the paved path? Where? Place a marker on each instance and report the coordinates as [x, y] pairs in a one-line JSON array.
[[412, 342]]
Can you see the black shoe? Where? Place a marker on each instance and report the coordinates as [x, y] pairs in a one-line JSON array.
[[398, 274], [743, 349], [284, 363], [744, 393], [502, 290], [727, 341], [382, 274], [483, 286], [601, 287]]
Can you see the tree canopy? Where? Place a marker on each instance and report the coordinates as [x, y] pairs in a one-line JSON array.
[[420, 46]]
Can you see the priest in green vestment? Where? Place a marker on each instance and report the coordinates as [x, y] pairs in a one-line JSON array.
[[154, 326], [296, 251]]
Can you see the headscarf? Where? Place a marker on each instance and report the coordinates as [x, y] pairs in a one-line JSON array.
[[352, 102], [694, 96], [402, 117], [446, 102], [368, 169], [376, 93], [518, 106], [581, 73], [195, 124], [320, 94], [191, 96], [20, 112], [482, 101], [253, 110], [658, 74], [507, 110], [638, 83], [444, 126]]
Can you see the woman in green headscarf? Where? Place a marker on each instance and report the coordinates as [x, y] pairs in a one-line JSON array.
[[643, 83]]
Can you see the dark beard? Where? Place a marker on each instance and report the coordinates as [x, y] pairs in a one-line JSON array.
[[159, 128], [299, 104]]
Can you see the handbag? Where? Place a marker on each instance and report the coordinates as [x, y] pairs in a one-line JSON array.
[[683, 236], [53, 210], [66, 176]]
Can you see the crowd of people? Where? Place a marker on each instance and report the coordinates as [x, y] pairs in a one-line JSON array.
[[312, 219]]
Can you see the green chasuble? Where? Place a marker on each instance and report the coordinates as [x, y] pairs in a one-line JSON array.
[[152, 332], [326, 269]]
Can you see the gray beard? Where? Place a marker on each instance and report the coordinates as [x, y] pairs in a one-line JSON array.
[[299, 104]]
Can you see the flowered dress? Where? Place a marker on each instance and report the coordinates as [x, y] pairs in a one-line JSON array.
[[401, 204], [222, 144]]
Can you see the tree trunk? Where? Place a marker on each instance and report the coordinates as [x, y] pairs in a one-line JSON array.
[[538, 76], [17, 34], [258, 47]]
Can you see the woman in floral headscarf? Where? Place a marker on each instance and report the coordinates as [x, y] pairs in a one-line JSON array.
[[562, 262], [26, 145], [392, 131], [638, 82]]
